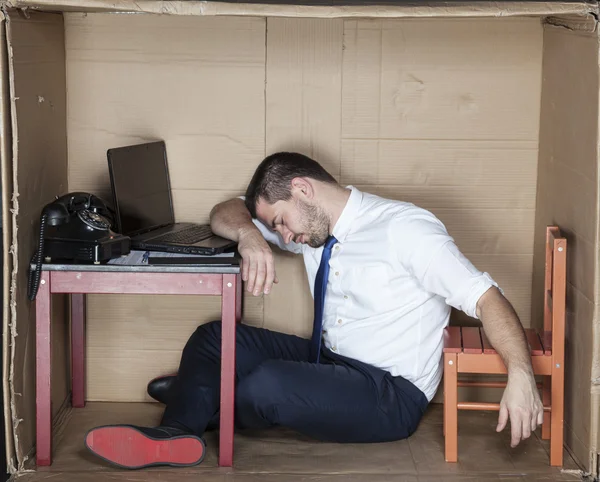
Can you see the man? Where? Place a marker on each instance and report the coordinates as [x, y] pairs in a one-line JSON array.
[[384, 275]]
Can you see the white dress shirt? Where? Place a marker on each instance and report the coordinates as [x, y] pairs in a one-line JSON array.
[[394, 274]]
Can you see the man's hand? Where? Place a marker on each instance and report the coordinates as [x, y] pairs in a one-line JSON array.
[[231, 220], [521, 402], [258, 268]]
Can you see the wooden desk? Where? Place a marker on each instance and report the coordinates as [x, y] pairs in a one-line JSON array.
[[79, 280]]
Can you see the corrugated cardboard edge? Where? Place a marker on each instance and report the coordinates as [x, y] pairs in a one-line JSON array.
[[582, 23], [14, 210], [6, 172], [432, 9]]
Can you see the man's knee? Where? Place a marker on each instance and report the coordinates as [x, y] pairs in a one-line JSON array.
[[206, 339], [212, 329]]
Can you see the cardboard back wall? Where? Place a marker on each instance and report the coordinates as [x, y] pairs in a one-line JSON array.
[[442, 113]]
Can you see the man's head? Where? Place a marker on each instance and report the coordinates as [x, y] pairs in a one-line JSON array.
[[283, 194]]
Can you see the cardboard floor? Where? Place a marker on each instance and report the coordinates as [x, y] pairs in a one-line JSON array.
[[280, 455]]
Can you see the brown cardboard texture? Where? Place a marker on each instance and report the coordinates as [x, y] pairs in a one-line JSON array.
[[490, 123], [316, 9], [38, 110], [342, 136], [568, 195], [6, 170]]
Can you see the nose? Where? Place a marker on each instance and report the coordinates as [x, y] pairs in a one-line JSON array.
[[287, 235]]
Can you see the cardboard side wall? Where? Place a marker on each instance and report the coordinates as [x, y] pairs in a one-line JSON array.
[[440, 112], [39, 162], [7, 174], [568, 197]]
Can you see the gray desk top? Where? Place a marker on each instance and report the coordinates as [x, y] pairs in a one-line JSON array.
[[220, 269]]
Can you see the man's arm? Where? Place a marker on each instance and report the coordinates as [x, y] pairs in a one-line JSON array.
[[521, 400], [231, 219], [428, 252]]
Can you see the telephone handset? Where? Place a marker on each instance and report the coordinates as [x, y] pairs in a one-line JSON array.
[[75, 227], [88, 208]]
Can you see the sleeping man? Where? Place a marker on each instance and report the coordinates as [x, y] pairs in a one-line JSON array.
[[384, 275]]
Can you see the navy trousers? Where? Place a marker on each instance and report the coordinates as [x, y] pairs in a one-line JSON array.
[[339, 399]]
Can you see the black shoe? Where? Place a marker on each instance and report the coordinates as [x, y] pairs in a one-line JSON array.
[[160, 388], [132, 447]]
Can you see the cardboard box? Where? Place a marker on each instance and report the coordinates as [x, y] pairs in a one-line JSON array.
[[486, 113]]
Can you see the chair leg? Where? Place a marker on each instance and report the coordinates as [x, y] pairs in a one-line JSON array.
[[557, 420], [451, 407], [546, 400]]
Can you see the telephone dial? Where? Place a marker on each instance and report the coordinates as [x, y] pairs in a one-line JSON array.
[[76, 227]]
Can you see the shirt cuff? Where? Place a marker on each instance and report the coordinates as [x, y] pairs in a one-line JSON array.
[[483, 284]]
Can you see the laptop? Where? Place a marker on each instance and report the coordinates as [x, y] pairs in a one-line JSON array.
[[139, 178]]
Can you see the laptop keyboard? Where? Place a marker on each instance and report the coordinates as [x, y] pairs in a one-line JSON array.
[[189, 235]]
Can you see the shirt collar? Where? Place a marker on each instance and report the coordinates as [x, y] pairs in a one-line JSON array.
[[349, 214]]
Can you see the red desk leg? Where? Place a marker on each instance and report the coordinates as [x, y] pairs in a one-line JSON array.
[[43, 371], [78, 349], [229, 308]]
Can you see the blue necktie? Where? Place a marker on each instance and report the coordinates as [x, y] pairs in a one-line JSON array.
[[320, 287]]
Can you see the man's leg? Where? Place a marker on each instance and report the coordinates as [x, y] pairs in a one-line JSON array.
[[195, 400], [331, 401]]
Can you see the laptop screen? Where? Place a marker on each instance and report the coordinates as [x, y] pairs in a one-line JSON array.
[[140, 185]]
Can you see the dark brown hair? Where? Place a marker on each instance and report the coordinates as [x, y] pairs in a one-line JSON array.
[[272, 180]]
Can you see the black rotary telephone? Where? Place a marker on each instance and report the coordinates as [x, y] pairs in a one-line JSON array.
[[75, 227]]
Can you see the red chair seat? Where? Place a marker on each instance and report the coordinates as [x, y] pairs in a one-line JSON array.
[[472, 340]]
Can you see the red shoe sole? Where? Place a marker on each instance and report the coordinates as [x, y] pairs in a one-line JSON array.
[[128, 447]]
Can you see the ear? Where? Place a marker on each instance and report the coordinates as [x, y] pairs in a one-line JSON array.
[[302, 188]]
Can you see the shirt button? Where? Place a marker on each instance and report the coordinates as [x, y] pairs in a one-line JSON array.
[[333, 348], [337, 246], [345, 297], [340, 321], [337, 273]]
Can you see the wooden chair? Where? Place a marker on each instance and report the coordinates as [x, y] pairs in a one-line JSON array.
[[467, 350]]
